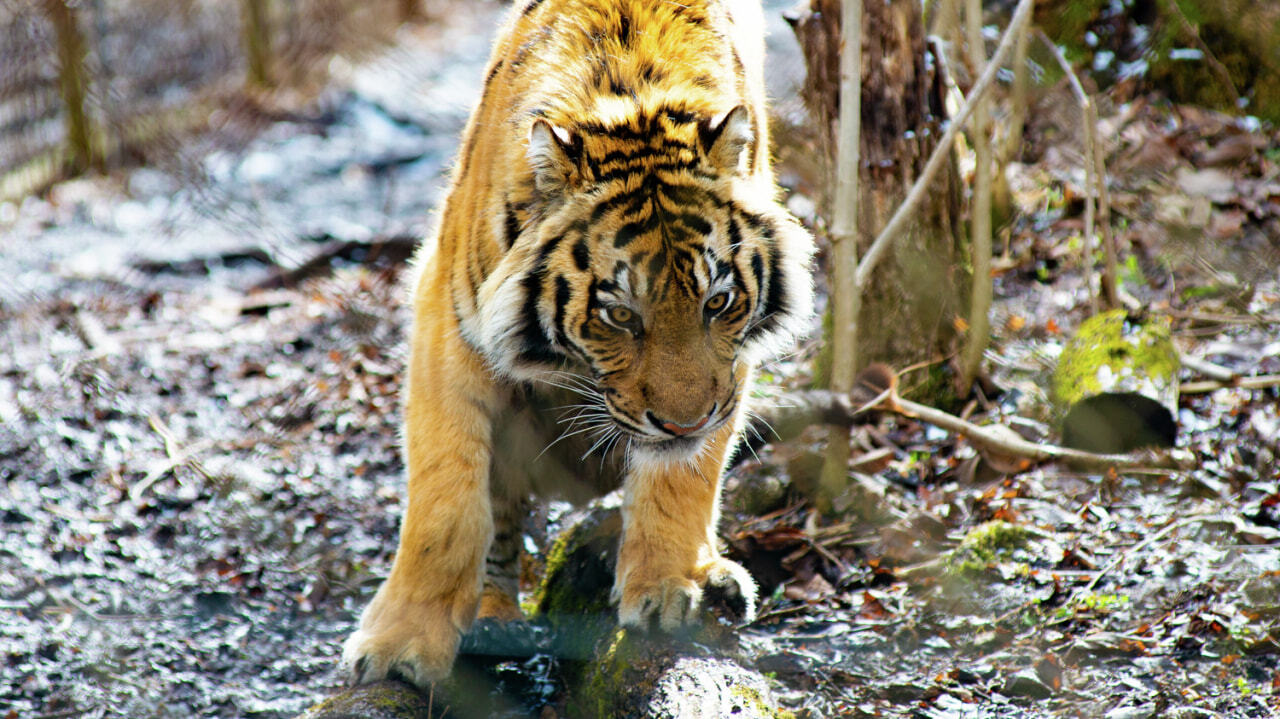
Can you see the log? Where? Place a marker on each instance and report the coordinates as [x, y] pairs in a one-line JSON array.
[[638, 674], [384, 700], [653, 677], [609, 672]]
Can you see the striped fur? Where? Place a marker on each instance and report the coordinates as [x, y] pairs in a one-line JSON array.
[[613, 229]]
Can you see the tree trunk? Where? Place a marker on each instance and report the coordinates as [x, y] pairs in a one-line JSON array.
[[257, 41], [73, 82], [908, 313]]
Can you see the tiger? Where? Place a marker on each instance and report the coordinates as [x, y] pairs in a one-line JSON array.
[[613, 233]]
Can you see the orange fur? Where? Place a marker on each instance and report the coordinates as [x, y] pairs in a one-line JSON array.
[[612, 230]]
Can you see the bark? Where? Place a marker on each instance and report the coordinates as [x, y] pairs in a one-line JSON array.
[[908, 310]]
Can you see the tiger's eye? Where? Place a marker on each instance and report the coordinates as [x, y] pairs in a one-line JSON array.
[[620, 315], [717, 302]]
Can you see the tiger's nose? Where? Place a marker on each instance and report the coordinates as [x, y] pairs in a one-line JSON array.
[[678, 429]]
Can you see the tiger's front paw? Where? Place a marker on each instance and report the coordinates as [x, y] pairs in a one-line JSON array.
[[414, 642], [674, 602], [730, 587], [671, 602]]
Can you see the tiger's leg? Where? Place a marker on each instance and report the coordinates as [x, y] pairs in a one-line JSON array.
[[501, 597], [412, 626], [669, 553]]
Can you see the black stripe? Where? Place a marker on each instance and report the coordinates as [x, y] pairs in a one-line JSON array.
[[686, 195], [562, 304], [775, 297], [511, 225], [624, 30], [657, 262], [735, 239], [630, 231], [757, 272], [593, 310], [651, 74], [535, 345], [581, 255], [694, 222], [617, 173], [679, 116], [617, 132], [493, 71], [533, 4]]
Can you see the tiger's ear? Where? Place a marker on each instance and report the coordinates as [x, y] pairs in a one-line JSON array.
[[725, 136], [553, 155]]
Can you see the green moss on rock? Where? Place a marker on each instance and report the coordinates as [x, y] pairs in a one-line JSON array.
[[579, 570], [987, 543], [1115, 387]]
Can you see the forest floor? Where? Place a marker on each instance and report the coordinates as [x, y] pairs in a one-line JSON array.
[[202, 486]]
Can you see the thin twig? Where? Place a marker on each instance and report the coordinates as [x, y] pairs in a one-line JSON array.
[[1221, 377], [846, 295], [979, 333], [1110, 266], [176, 457], [1018, 115], [824, 407], [1186, 521], [1265, 381], [1018, 447], [1091, 161], [1226, 319], [1208, 369], [923, 184]]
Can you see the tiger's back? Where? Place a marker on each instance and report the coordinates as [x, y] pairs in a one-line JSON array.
[[613, 230]]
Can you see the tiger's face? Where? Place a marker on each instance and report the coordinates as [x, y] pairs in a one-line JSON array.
[[657, 273]]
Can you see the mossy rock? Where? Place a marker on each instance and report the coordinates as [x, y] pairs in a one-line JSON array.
[[652, 676], [1116, 385], [987, 544], [579, 571], [384, 700]]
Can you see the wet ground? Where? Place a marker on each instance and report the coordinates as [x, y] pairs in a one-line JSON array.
[[198, 414]]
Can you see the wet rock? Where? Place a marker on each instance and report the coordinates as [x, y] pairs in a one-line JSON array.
[[639, 676], [902, 692], [1144, 711], [1027, 683]]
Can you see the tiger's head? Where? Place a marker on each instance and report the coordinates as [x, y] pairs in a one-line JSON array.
[[653, 263]]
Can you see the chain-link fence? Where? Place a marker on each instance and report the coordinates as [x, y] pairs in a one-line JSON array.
[[84, 81]]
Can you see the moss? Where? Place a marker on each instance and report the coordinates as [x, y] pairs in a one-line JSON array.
[[750, 697], [599, 691], [987, 543], [579, 568], [1110, 352], [1115, 387], [556, 556], [384, 700]]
